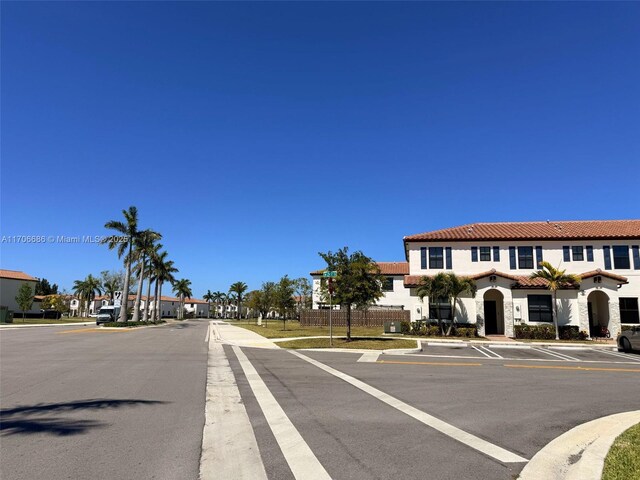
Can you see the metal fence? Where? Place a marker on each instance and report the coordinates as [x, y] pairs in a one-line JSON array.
[[359, 318]]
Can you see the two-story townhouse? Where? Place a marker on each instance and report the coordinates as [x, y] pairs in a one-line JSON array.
[[394, 292], [500, 257]]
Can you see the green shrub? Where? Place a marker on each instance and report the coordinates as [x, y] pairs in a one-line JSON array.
[[405, 327], [131, 324]]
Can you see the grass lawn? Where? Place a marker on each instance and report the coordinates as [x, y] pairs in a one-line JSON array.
[[623, 460], [274, 329], [365, 343], [48, 321]]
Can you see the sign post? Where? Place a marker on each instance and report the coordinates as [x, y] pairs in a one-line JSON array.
[[330, 275], [117, 298]]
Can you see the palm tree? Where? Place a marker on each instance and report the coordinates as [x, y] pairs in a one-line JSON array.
[[124, 244], [87, 290], [218, 299], [239, 289], [459, 286], [556, 279], [434, 288], [150, 269], [209, 298], [163, 271], [144, 244], [182, 288], [110, 287]]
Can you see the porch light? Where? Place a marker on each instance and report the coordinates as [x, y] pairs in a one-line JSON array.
[[597, 279], [492, 278]]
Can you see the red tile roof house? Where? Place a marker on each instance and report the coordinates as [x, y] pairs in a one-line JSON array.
[[168, 305], [10, 283], [500, 257]]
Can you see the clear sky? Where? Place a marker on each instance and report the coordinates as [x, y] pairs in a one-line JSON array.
[[254, 135]]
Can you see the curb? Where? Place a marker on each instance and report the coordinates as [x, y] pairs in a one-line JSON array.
[[11, 327], [579, 454]]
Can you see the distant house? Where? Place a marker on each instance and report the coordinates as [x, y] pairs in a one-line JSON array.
[[10, 283]]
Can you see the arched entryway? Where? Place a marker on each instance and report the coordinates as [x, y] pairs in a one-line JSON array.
[[493, 312], [598, 311]]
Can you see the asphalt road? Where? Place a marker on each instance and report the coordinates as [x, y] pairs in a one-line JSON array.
[[84, 404], [81, 403]]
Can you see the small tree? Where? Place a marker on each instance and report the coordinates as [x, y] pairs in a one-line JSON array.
[[55, 302], [238, 289], [304, 292], [556, 279], [283, 298], [24, 298], [358, 282], [435, 288]]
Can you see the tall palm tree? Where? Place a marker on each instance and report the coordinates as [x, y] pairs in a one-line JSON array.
[[218, 298], [182, 288], [163, 272], [239, 289], [153, 253], [143, 248], [209, 298], [128, 231], [556, 279], [87, 290]]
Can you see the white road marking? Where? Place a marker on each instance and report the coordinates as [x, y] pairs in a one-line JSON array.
[[369, 357], [461, 436], [206, 338], [302, 461], [485, 354], [492, 352], [229, 446], [626, 356], [516, 347], [561, 356]]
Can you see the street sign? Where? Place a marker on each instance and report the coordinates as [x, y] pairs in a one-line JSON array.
[[330, 274], [117, 298]]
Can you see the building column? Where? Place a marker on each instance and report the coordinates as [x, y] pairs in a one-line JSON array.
[[507, 305], [614, 318], [480, 317], [583, 315]]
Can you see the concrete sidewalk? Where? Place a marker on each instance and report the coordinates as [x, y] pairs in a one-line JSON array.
[[240, 336]]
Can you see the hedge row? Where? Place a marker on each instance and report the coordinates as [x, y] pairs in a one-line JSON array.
[[131, 324], [431, 329], [548, 332]]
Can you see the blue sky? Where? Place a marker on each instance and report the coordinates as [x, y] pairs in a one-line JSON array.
[[254, 135]]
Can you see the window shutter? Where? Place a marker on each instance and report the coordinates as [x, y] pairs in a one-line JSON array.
[[589, 253], [448, 258], [566, 251], [636, 257], [512, 258], [474, 254], [423, 257], [496, 254], [539, 258], [607, 258]]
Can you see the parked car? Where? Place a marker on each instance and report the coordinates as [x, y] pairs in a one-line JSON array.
[[107, 314], [629, 339]]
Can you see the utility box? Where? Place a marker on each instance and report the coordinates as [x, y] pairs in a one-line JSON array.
[[392, 327]]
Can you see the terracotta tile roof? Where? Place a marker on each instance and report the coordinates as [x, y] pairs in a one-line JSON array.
[[386, 268], [566, 230], [16, 275], [520, 281]]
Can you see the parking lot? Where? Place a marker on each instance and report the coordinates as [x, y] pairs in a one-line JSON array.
[[534, 353]]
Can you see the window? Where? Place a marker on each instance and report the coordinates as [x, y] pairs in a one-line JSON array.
[[387, 284], [485, 254], [525, 257], [443, 305], [577, 253], [436, 257], [629, 310], [540, 308], [621, 257], [589, 253], [539, 258], [496, 254]]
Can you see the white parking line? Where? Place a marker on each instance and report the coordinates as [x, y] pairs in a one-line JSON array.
[[561, 356], [626, 356], [485, 354], [497, 355], [483, 446], [302, 461]]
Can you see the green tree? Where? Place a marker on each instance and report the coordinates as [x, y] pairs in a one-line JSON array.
[[55, 302], [209, 298], [358, 283], [218, 299], [44, 288], [283, 299], [24, 298], [304, 292], [123, 242], [163, 271], [435, 289], [87, 290], [144, 247], [182, 288], [556, 279], [239, 289], [153, 254]]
